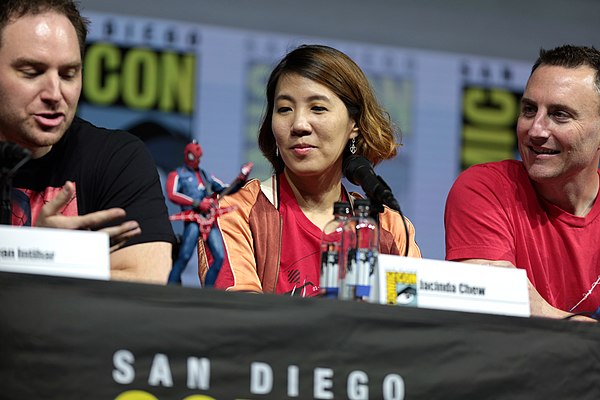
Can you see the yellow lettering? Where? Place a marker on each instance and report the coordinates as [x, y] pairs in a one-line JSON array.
[[490, 107], [395, 96], [485, 145], [101, 74], [489, 125], [176, 82], [257, 78], [140, 75]]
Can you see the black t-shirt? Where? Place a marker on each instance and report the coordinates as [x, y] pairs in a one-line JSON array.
[[109, 168]]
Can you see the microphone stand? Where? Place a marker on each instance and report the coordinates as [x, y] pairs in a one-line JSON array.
[[5, 184], [377, 208]]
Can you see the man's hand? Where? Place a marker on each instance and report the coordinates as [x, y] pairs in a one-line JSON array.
[[538, 306], [122, 233], [50, 217]]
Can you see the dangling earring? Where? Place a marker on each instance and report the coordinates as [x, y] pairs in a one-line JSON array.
[[353, 146], [276, 151]]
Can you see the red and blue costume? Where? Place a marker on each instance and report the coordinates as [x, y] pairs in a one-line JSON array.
[[190, 187]]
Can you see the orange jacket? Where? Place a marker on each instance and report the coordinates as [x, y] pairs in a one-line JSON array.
[[252, 238]]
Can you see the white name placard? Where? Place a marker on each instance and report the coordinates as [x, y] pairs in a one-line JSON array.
[[448, 285], [80, 254]]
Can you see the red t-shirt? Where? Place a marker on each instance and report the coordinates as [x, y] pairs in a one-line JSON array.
[[493, 212], [300, 262]]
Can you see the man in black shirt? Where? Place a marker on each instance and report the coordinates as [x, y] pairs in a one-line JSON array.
[[79, 176]]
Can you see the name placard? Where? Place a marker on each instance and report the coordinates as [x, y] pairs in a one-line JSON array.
[[80, 254], [446, 285]]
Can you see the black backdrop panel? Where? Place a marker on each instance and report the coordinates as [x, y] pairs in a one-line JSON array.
[[63, 338]]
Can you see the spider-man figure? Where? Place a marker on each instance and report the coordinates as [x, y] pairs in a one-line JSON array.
[[190, 187]]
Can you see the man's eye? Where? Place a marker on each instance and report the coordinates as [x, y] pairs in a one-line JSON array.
[[561, 115], [30, 73], [528, 111], [70, 75]]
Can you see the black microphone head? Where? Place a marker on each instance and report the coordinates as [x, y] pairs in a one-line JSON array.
[[351, 165], [359, 171], [11, 154]]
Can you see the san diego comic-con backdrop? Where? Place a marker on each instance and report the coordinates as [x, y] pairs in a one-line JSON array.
[[169, 82]]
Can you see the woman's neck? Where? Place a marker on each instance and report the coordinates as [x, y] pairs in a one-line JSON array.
[[315, 196]]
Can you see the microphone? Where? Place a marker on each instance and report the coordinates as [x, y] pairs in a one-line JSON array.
[[359, 171], [12, 157]]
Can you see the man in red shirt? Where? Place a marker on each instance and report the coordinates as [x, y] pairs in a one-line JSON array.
[[541, 213]]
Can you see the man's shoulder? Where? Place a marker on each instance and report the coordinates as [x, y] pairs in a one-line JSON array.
[[506, 179], [102, 148], [506, 169], [506, 166], [80, 127]]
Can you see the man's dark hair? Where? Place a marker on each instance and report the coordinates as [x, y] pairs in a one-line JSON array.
[[570, 56], [10, 10]]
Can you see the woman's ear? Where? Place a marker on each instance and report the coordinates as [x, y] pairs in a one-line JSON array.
[[354, 132]]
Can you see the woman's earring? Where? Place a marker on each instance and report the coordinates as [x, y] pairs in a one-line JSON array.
[[353, 146], [276, 151]]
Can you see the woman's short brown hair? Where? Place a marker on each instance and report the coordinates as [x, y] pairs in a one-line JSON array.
[[330, 67]]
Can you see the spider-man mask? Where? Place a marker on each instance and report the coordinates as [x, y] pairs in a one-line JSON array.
[[192, 154]]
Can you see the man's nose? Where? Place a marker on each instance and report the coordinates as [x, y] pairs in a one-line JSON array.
[[51, 91], [539, 126]]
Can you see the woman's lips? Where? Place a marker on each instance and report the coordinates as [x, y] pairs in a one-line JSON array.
[[302, 149]]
